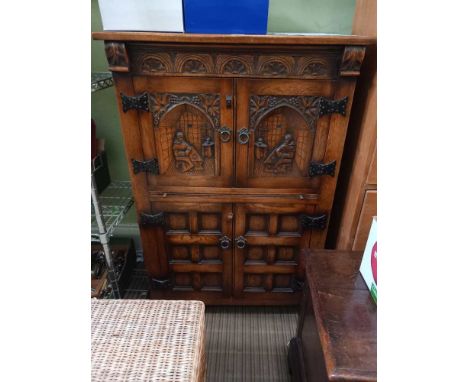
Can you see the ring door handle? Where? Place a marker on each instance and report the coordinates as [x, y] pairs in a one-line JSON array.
[[244, 135], [241, 242], [225, 134], [224, 242]]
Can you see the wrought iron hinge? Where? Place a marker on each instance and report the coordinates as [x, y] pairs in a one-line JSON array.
[[150, 165], [160, 283], [313, 221], [297, 285], [152, 220], [329, 106], [138, 102], [318, 169]]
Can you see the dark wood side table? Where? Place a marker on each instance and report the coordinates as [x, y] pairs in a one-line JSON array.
[[336, 337]]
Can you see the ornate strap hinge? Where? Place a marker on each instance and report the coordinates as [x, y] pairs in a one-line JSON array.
[[152, 220], [150, 165], [138, 102], [329, 106], [319, 169], [297, 285], [313, 221], [160, 283]]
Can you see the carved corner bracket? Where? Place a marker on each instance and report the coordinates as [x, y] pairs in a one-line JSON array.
[[352, 59], [117, 56], [152, 220]]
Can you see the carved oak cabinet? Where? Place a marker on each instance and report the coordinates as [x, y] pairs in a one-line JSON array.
[[234, 145]]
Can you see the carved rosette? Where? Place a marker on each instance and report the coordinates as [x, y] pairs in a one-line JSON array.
[[161, 103], [352, 60], [117, 56], [307, 106]]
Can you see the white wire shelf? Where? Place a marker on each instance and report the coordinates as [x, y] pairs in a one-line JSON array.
[[115, 201], [101, 80]]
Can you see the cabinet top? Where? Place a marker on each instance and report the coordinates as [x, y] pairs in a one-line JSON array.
[[269, 39]]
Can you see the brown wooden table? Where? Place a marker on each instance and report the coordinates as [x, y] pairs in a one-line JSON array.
[[336, 337]]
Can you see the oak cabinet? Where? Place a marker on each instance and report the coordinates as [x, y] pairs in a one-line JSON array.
[[234, 144]]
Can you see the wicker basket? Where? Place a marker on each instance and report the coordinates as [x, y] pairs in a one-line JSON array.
[[147, 340]]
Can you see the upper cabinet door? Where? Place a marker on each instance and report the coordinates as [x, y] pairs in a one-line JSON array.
[[282, 133], [186, 131]]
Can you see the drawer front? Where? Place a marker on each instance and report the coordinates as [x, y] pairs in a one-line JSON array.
[[185, 132], [196, 248]]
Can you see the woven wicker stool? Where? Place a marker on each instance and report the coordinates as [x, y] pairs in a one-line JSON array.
[[147, 340]]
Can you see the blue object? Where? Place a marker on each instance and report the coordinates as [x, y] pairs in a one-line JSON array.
[[226, 16]]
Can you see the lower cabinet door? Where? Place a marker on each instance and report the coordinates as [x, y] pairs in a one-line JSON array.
[[267, 243], [197, 249]]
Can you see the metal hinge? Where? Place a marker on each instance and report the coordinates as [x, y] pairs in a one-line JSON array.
[[318, 169], [152, 220], [329, 106], [160, 283], [297, 285], [313, 221], [150, 165], [138, 102]]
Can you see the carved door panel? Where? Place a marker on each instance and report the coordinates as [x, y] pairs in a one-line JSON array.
[[282, 132], [186, 131], [197, 248], [267, 242]]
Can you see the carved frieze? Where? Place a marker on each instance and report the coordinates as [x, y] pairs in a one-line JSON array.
[[157, 60]]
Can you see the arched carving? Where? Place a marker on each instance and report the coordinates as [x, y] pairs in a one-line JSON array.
[[194, 63], [208, 104], [275, 65], [156, 63], [312, 67], [307, 106], [234, 64]]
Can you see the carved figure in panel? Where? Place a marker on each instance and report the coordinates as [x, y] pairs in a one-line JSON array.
[[186, 156], [280, 159], [283, 144], [185, 142]]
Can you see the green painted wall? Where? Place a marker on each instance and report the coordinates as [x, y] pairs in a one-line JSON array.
[[104, 107], [311, 16]]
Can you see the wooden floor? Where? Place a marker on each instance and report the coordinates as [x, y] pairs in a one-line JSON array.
[[242, 343]]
